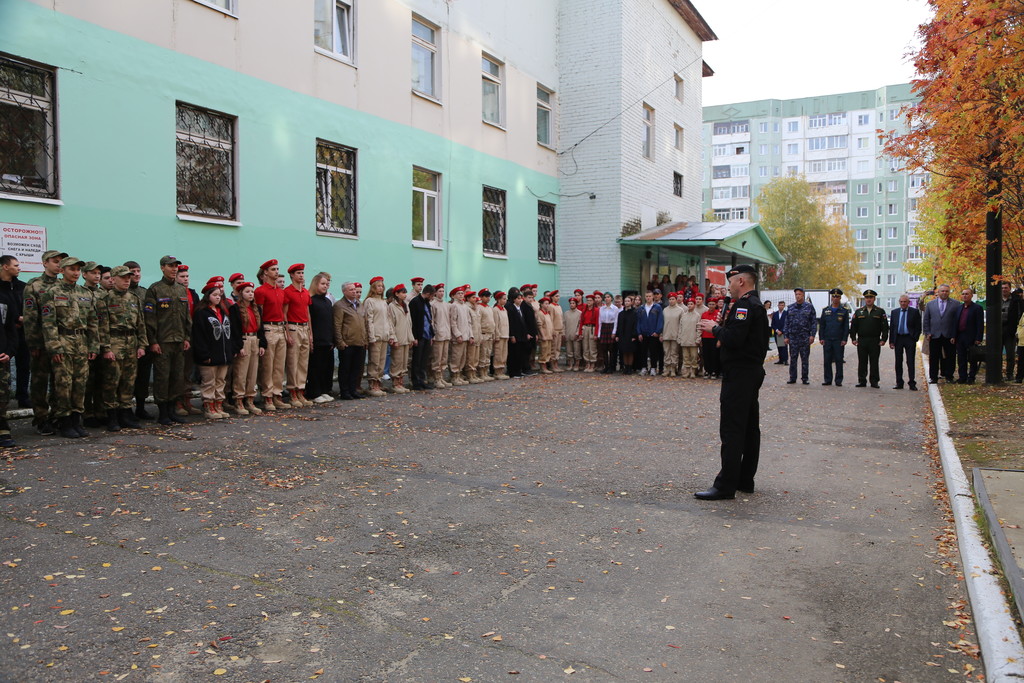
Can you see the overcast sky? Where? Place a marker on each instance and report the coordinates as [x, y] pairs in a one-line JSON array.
[[799, 48]]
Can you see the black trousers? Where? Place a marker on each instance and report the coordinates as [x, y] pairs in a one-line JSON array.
[[23, 359], [420, 363], [905, 346], [833, 352], [709, 354], [867, 360], [967, 369], [1009, 348], [321, 371], [739, 427], [650, 352], [518, 357], [941, 352], [142, 377], [350, 370]]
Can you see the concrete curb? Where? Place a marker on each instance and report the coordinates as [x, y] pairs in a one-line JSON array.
[[1001, 649]]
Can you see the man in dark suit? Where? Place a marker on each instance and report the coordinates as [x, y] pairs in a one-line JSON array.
[[423, 331], [778, 329], [970, 331], [518, 336], [904, 331], [532, 332], [941, 317]]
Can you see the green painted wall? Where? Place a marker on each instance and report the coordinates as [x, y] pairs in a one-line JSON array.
[[116, 107]]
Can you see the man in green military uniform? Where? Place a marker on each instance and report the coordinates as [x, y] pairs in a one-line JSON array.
[[168, 329], [126, 344], [40, 371], [94, 412], [145, 367], [868, 331], [71, 338]]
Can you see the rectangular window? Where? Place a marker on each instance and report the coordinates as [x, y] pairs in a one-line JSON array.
[[762, 149], [837, 119], [863, 142], [863, 166], [793, 148], [893, 232], [494, 221], [679, 90], [878, 279], [720, 150], [879, 188], [762, 171], [915, 279], [863, 119], [816, 167], [827, 142], [912, 204], [775, 127], [893, 210], [677, 184], [891, 256], [731, 214], [878, 233], [762, 128], [426, 207], [492, 72], [740, 171], [878, 211], [28, 137], [862, 188], [792, 170], [205, 146], [914, 252], [424, 58], [894, 186], [732, 192], [720, 171], [775, 149], [893, 113], [546, 232], [335, 189], [792, 126], [332, 27], [544, 116], [861, 234], [878, 259], [742, 149], [890, 279], [229, 6], [816, 121], [862, 212], [775, 171], [679, 137], [919, 180], [647, 132], [730, 127], [835, 165], [862, 257]]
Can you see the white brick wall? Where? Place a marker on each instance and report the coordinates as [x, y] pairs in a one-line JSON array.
[[615, 55]]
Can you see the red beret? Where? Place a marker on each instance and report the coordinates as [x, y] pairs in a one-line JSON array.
[[469, 293], [545, 299], [553, 292], [236, 276], [414, 280], [673, 294], [210, 286], [534, 286], [296, 266], [243, 285], [378, 278], [358, 284], [484, 292], [578, 291], [439, 285], [573, 300], [216, 278], [525, 287], [182, 268], [499, 294], [598, 292], [268, 264], [399, 288], [589, 296]]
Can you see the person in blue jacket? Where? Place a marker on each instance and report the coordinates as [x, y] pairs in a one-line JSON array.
[[833, 330], [649, 325]]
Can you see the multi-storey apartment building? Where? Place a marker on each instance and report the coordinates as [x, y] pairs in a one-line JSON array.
[[832, 140], [490, 142]]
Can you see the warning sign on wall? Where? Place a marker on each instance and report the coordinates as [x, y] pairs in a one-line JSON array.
[[24, 242]]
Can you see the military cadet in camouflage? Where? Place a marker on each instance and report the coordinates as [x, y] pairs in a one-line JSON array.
[[94, 412], [71, 338], [145, 369], [801, 326], [40, 371], [868, 331], [126, 344], [168, 329]]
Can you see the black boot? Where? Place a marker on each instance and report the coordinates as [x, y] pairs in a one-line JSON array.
[[113, 423], [140, 409], [66, 427], [164, 418], [92, 421], [169, 407], [126, 419], [76, 421]]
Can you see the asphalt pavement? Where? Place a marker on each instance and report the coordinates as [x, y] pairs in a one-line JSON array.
[[530, 530]]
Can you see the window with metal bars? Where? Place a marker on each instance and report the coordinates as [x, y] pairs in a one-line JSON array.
[[545, 231], [335, 189], [28, 142], [494, 220], [205, 163]]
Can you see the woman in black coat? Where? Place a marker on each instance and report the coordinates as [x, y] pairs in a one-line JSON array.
[[216, 338], [321, 357], [625, 334]]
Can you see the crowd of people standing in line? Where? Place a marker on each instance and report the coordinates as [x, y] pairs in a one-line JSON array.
[[95, 351]]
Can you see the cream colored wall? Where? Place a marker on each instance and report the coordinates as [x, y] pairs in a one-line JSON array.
[[277, 46]]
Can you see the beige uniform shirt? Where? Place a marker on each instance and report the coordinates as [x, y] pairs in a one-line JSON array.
[[378, 326], [500, 323], [486, 323], [401, 323], [474, 322], [671, 314], [545, 325], [556, 318], [441, 319], [461, 323], [571, 321]]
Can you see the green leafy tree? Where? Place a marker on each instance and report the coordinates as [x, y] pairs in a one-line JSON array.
[[815, 242]]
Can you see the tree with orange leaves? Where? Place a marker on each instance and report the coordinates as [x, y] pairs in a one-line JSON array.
[[968, 129]]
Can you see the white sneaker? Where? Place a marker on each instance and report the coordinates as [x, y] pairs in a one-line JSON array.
[[386, 376], [322, 398], [654, 373], [644, 371]]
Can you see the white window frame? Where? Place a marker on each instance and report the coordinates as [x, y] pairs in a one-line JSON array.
[[893, 209], [861, 235], [893, 232], [546, 109], [890, 279], [229, 7], [199, 140], [862, 212], [720, 150], [862, 188], [647, 145], [328, 227], [680, 88], [792, 148], [547, 222], [792, 126], [894, 185], [762, 128], [680, 139], [489, 78], [348, 32], [431, 50], [762, 171], [424, 195], [863, 119]]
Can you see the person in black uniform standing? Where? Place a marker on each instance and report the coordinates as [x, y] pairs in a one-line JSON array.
[[743, 344], [869, 330]]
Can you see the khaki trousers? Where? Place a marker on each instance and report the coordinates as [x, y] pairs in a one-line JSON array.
[[378, 354], [272, 362], [212, 381], [486, 351], [589, 344], [545, 350], [500, 356], [573, 350], [472, 357], [298, 356], [399, 360], [556, 347], [670, 347], [457, 359], [690, 358], [245, 368], [439, 356]]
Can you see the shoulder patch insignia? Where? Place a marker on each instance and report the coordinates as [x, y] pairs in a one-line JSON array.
[[46, 311], [741, 314], [148, 308], [30, 302]]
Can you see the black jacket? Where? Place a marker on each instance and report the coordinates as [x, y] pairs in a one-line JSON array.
[[516, 323], [530, 319], [744, 333], [625, 330], [321, 318], [214, 342], [9, 313], [975, 329], [913, 323], [418, 308]]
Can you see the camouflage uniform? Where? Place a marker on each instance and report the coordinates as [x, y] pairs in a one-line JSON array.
[[144, 370], [801, 326], [40, 371], [94, 385], [70, 329], [126, 334], [169, 325]]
